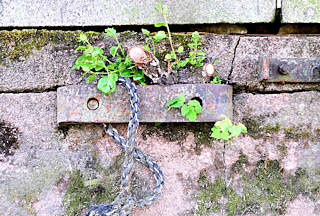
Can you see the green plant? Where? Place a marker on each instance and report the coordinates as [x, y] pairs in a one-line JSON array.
[[225, 130], [189, 110], [162, 9], [153, 39], [196, 57], [216, 80], [95, 63]]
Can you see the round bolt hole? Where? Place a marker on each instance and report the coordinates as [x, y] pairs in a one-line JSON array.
[[92, 104], [198, 99]]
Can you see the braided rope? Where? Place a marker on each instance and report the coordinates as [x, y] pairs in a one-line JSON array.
[[124, 202]]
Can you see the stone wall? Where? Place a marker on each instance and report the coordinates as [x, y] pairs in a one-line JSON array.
[[46, 168]]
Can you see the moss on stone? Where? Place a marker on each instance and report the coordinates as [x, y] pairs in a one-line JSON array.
[[81, 193], [18, 44], [297, 133], [264, 190]]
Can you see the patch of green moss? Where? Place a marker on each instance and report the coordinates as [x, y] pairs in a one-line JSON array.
[[81, 193], [257, 129], [20, 43], [263, 190], [296, 133]]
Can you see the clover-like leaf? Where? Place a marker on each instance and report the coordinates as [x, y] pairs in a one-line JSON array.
[[107, 84], [176, 102], [91, 78], [110, 32], [168, 57], [159, 35], [145, 32], [180, 49], [159, 24]]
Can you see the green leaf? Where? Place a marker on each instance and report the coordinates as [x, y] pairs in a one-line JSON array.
[[145, 32], [197, 106], [168, 57], [160, 35], [192, 54], [216, 133], [83, 38], [191, 115], [110, 32], [97, 51], [184, 110], [195, 36], [180, 49], [243, 128], [159, 24], [184, 63], [107, 84], [91, 78], [113, 50], [216, 80], [146, 47], [200, 53], [125, 73], [176, 102], [81, 48], [224, 125], [137, 77], [191, 45]]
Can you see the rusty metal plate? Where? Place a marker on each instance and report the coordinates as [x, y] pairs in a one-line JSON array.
[[85, 104], [289, 69]]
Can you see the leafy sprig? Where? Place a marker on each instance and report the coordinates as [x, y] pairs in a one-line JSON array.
[[95, 63], [153, 39], [225, 130], [189, 110]]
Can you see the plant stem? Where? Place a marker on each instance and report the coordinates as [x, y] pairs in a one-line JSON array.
[[153, 48], [170, 38], [120, 46]]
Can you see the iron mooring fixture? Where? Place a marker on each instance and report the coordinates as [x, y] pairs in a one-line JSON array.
[[289, 70], [85, 104]]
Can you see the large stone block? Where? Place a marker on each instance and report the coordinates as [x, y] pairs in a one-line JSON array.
[[114, 12], [32, 60], [300, 11], [246, 62]]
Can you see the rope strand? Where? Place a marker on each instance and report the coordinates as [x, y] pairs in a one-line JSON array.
[[124, 202]]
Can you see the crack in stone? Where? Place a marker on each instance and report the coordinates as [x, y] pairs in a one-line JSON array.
[[35, 90], [234, 56]]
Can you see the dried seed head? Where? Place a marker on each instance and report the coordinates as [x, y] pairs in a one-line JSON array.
[[139, 56], [208, 70]]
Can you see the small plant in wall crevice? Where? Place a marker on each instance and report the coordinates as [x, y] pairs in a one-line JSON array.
[[225, 130], [189, 110]]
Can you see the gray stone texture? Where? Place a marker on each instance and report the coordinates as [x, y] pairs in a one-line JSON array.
[[28, 13], [245, 70], [300, 11], [282, 140]]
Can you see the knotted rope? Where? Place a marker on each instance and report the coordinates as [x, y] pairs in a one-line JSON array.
[[124, 202]]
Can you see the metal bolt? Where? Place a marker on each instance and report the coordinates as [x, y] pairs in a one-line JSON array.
[[283, 69], [92, 104]]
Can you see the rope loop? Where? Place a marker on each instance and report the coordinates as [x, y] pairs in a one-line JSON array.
[[124, 202]]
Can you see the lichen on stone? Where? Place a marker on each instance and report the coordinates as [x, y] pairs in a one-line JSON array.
[[263, 190]]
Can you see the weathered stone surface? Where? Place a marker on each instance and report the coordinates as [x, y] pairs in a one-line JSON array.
[[246, 63], [104, 13], [277, 161], [302, 11], [32, 60]]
